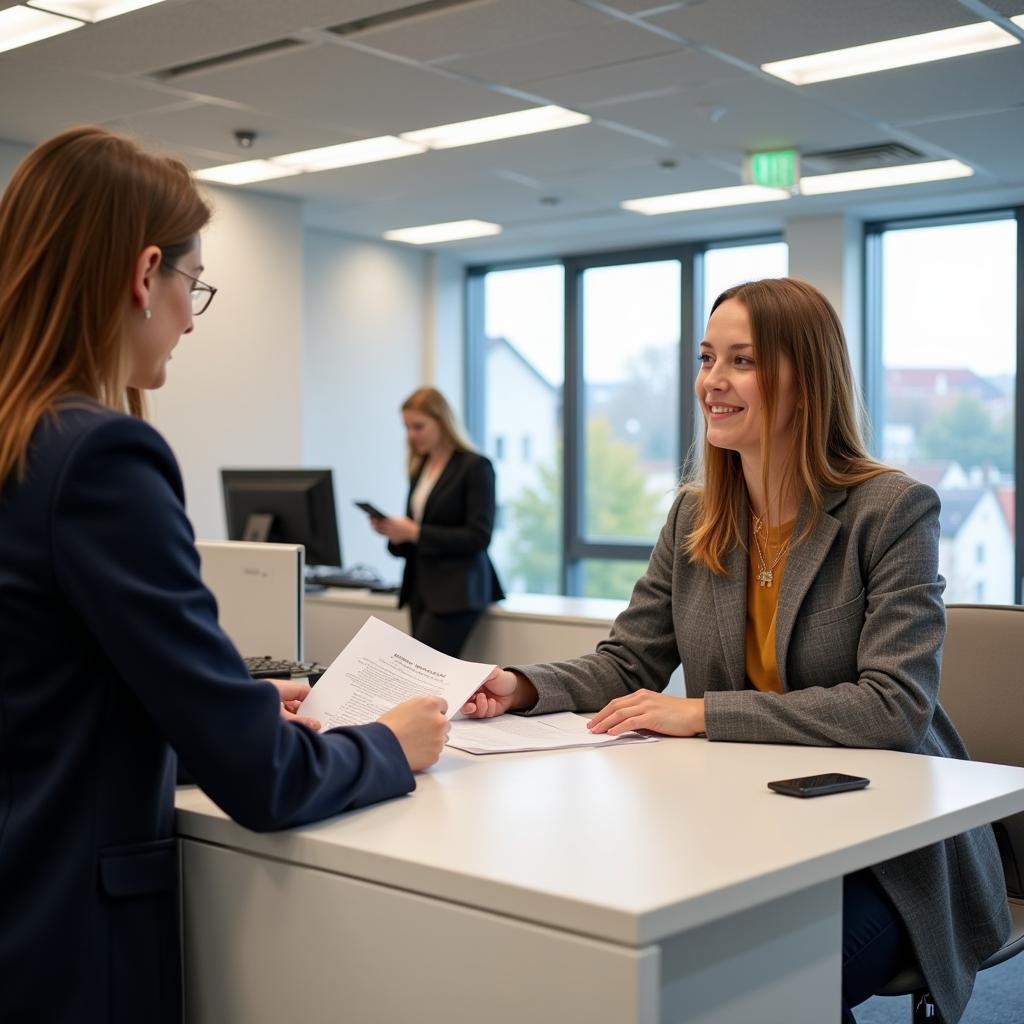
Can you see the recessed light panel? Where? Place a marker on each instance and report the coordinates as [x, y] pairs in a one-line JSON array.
[[20, 26], [91, 10], [502, 126], [892, 53], [705, 199], [245, 173], [450, 231], [884, 177]]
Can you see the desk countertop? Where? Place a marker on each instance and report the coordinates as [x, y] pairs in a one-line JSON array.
[[584, 610], [634, 843]]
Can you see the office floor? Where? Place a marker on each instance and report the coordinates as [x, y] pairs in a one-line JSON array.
[[998, 999]]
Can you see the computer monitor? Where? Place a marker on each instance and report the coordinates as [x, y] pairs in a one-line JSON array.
[[284, 506]]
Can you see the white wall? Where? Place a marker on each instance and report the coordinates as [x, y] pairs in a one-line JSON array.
[[10, 157], [365, 325], [234, 387]]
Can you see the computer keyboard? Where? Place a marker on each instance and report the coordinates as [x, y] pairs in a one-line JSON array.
[[356, 578], [265, 667]]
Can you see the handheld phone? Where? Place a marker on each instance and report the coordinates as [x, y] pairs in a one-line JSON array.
[[818, 785], [370, 510]]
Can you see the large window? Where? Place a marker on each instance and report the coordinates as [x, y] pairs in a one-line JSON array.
[[943, 308], [522, 363], [581, 370]]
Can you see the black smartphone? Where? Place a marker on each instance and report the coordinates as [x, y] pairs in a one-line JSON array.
[[819, 785], [370, 510]]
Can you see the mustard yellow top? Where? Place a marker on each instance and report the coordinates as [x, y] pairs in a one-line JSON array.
[[762, 606]]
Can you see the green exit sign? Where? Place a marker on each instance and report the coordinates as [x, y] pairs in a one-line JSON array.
[[777, 168]]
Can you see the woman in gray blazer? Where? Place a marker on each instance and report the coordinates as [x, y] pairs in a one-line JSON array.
[[797, 582]]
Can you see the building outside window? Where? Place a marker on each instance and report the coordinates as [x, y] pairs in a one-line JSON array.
[[520, 354], [944, 346]]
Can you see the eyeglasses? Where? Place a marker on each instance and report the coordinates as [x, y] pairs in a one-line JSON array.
[[201, 294]]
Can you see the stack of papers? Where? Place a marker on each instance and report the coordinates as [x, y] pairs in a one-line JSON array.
[[544, 732], [382, 666]]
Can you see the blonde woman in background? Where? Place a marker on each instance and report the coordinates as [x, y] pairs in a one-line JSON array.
[[444, 535]]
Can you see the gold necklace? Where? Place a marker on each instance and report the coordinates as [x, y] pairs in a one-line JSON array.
[[766, 577]]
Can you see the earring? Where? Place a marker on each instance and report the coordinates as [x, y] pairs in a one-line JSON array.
[[147, 314]]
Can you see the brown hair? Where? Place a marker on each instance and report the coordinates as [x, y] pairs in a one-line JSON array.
[[792, 319], [430, 402], [77, 213]]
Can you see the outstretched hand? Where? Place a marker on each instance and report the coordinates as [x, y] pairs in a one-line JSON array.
[[656, 712], [499, 692]]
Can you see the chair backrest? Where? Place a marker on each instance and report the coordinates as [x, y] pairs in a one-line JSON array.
[[982, 690]]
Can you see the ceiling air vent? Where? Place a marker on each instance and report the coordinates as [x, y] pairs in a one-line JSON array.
[[397, 17], [226, 59], [855, 158]]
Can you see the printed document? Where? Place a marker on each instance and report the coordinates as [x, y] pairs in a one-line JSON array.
[[508, 733], [380, 667]]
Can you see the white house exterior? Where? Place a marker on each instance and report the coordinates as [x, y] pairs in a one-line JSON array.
[[975, 548], [521, 434]]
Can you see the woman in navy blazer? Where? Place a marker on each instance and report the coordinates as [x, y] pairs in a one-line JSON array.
[[111, 650], [443, 536]]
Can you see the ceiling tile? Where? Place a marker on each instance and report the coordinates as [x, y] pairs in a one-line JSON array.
[[462, 31], [742, 114], [776, 29], [609, 45], [206, 133], [367, 94], [55, 98], [633, 79], [992, 142], [980, 81]]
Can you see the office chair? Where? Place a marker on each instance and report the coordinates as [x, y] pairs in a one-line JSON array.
[[980, 688]]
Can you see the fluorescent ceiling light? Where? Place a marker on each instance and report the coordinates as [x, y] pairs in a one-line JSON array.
[[503, 126], [883, 177], [705, 199], [348, 154], [448, 232], [20, 26], [893, 53], [91, 10], [245, 172]]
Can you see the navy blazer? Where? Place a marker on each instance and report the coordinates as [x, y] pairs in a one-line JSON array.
[[448, 567], [111, 656]]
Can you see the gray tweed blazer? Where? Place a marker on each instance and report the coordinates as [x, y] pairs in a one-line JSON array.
[[859, 634]]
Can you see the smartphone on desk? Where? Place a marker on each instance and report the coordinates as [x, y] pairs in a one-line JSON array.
[[371, 510], [818, 785]]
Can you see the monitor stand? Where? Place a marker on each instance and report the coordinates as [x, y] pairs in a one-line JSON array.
[[258, 527]]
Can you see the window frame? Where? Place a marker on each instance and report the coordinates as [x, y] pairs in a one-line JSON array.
[[873, 367], [576, 548]]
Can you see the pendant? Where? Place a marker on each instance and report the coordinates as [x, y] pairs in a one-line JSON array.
[[766, 577]]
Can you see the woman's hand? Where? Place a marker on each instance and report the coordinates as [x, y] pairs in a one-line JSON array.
[[645, 709], [293, 692], [500, 692], [421, 729], [397, 529]]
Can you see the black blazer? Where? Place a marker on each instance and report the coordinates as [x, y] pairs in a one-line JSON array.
[[448, 567], [111, 654]]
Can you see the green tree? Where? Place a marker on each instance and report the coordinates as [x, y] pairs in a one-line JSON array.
[[966, 434], [618, 505]]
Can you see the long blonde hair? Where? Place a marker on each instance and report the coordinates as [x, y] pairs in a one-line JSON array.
[[430, 402], [74, 218], [788, 318]]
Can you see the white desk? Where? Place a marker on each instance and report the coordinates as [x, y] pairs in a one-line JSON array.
[[654, 883]]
